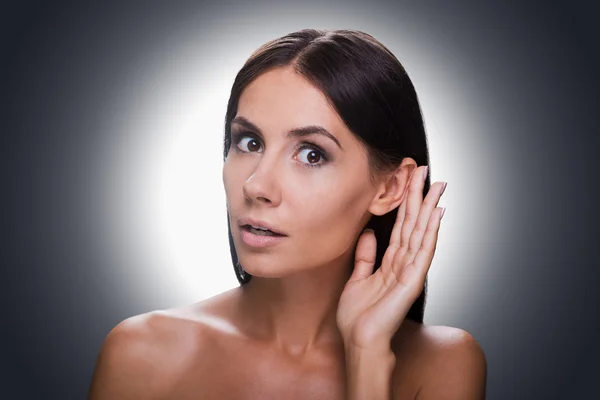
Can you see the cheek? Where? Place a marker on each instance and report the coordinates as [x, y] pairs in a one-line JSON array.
[[328, 231], [332, 200], [332, 215], [231, 179]]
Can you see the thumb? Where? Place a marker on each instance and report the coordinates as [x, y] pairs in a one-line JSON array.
[[364, 256]]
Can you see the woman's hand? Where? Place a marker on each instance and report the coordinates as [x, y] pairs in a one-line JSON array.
[[372, 306]]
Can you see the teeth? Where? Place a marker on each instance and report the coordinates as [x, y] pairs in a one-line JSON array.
[[258, 227]]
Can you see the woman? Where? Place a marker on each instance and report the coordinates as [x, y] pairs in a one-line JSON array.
[[323, 138]]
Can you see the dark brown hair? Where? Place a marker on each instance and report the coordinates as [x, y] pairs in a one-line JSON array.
[[372, 93]]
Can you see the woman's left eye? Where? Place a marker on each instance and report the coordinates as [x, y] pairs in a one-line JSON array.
[[313, 156]]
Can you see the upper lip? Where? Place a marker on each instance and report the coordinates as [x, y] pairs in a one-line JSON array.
[[261, 224]]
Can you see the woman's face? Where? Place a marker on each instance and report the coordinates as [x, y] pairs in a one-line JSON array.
[[314, 190]]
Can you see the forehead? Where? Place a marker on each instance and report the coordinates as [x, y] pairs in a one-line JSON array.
[[282, 99]]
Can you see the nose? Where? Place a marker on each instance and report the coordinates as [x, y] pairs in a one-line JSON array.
[[262, 185]]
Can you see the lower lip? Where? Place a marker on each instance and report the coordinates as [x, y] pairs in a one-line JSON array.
[[259, 241]]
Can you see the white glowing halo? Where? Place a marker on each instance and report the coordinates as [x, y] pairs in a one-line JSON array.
[[170, 204]]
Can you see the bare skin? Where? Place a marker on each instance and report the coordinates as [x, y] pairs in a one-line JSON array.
[[277, 336], [201, 352]]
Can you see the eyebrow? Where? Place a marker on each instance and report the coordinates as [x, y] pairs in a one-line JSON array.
[[296, 132]]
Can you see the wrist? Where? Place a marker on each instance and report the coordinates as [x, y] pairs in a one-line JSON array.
[[382, 348], [358, 356], [369, 373]]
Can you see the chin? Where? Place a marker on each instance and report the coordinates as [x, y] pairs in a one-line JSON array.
[[263, 269]]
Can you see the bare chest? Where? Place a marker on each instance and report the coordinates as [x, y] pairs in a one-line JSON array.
[[245, 373], [256, 377], [232, 368]]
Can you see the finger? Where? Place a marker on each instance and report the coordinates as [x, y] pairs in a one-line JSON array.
[[364, 256], [394, 243], [393, 251], [429, 204], [424, 257], [395, 236], [410, 283], [413, 205]]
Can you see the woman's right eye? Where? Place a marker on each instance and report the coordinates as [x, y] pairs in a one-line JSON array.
[[248, 144]]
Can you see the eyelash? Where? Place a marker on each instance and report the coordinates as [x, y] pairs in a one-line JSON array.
[[236, 138]]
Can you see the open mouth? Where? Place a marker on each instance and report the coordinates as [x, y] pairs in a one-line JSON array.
[[260, 231]]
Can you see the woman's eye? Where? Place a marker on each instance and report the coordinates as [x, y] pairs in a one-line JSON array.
[[310, 156], [249, 142]]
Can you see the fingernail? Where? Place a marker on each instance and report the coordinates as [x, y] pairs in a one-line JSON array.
[[443, 188], [368, 230], [443, 210], [425, 172]]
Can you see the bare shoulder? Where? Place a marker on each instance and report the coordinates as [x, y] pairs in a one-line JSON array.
[[447, 362], [146, 355]]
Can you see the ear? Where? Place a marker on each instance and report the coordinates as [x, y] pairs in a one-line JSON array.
[[391, 188]]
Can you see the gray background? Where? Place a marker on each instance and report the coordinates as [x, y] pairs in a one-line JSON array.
[[61, 67]]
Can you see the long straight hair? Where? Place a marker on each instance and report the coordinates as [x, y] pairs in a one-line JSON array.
[[372, 93]]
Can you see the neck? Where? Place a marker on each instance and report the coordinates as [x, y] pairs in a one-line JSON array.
[[297, 313]]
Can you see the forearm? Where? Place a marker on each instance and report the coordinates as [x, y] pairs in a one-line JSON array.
[[369, 374]]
